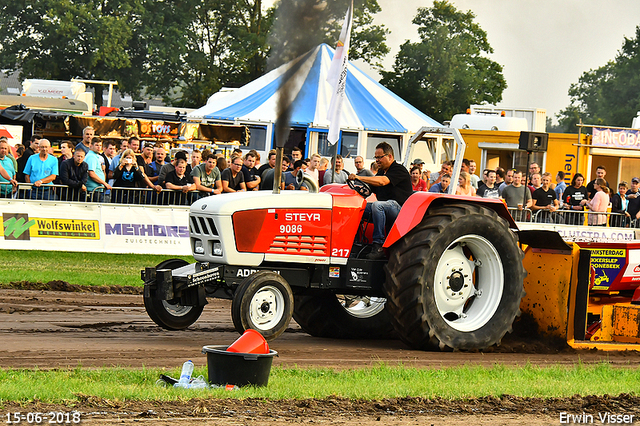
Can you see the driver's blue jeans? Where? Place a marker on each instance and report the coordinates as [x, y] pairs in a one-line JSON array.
[[381, 212]]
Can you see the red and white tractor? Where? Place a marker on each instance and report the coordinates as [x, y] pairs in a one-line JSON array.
[[454, 277]]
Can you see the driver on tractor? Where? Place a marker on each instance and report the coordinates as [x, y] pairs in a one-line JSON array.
[[392, 186]]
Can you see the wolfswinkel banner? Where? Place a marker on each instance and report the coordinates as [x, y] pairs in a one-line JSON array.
[[28, 225]]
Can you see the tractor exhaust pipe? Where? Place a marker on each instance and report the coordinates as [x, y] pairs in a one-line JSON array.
[[277, 173]]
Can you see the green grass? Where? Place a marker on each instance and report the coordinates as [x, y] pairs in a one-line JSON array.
[[60, 386], [76, 267]]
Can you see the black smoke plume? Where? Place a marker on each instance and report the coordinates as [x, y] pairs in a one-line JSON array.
[[299, 26]]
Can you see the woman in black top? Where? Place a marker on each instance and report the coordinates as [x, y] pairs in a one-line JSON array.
[[574, 198], [619, 203], [126, 175]]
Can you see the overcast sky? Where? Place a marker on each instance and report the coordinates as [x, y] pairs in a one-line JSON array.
[[543, 45]]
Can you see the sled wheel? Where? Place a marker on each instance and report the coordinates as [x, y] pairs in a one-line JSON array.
[[456, 280], [170, 314], [264, 302], [343, 317]]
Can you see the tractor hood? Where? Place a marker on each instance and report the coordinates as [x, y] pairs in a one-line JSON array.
[[230, 228], [228, 204]]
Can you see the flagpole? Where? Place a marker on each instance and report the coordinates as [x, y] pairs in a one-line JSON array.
[[337, 77], [335, 157]]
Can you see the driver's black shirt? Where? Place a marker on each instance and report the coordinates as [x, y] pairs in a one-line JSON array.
[[399, 187]]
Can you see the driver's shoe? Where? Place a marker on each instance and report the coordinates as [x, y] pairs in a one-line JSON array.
[[377, 252]]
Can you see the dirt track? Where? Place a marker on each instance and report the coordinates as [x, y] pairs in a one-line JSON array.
[[61, 328]]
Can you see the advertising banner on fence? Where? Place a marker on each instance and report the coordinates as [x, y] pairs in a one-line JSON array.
[[632, 273], [145, 230], [94, 228], [584, 234], [616, 138]]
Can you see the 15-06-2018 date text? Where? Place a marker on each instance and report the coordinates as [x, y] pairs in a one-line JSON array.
[[50, 417]]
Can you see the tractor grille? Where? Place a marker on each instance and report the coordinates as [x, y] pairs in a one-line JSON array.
[[200, 225], [299, 244]]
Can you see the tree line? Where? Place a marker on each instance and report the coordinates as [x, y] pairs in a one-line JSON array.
[[609, 95], [185, 50], [181, 50]]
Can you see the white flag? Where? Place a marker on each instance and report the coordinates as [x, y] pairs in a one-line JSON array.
[[338, 77]]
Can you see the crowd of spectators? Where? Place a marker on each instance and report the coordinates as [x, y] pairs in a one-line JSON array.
[[534, 192], [130, 172], [120, 172]]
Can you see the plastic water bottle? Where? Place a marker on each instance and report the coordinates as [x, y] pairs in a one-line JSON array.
[[198, 383], [185, 376]]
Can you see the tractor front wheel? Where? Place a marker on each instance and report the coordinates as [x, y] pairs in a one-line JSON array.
[[264, 302], [170, 314], [456, 280]]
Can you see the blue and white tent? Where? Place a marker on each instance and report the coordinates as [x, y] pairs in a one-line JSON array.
[[367, 107]]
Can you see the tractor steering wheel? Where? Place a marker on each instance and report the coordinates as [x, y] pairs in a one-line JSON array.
[[360, 187]]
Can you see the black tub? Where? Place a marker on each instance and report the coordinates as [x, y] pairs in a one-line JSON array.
[[233, 368]]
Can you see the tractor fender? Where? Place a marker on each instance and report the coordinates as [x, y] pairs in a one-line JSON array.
[[417, 205]]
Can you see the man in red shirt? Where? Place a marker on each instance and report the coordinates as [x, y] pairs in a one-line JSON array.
[[416, 180]]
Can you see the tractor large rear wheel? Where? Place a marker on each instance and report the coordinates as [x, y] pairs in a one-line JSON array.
[[343, 316], [456, 280]]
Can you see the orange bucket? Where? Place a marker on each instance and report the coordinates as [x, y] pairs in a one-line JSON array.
[[251, 342]]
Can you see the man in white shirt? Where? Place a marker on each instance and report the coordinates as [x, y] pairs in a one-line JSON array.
[[472, 171], [312, 170]]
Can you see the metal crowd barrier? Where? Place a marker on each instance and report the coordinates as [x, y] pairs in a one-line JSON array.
[[524, 215], [54, 192], [6, 190], [138, 196], [573, 217]]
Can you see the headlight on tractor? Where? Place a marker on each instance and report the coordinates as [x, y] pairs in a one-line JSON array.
[[217, 248], [197, 247]]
